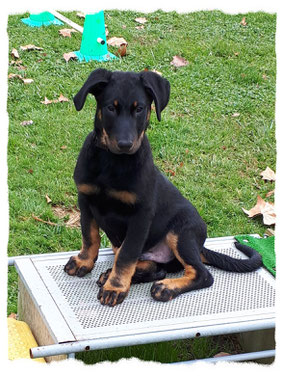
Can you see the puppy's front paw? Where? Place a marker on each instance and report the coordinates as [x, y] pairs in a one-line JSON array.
[[111, 297], [103, 278], [78, 267]]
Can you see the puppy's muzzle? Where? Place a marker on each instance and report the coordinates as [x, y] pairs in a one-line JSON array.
[[125, 145]]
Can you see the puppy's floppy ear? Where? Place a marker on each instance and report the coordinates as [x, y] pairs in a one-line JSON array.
[[96, 81], [158, 88]]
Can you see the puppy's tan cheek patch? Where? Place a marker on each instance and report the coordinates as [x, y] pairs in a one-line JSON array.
[[138, 141], [99, 114], [104, 138]]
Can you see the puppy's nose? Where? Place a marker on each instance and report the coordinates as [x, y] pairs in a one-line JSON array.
[[125, 145]]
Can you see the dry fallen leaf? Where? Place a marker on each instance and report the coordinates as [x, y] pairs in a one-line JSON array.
[[62, 98], [236, 114], [24, 80], [141, 20], [46, 101], [21, 67], [67, 32], [69, 55], [139, 27], [122, 50], [15, 53], [16, 62], [26, 122], [48, 199], [221, 354], [30, 47], [157, 72], [264, 208], [81, 14], [270, 232], [243, 22], [27, 80], [13, 316], [179, 61], [171, 172], [13, 75], [116, 42], [268, 174], [271, 193]]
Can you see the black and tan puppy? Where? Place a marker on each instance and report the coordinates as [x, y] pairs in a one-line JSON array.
[[152, 227]]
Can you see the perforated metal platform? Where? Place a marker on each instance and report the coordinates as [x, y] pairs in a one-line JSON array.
[[69, 306]]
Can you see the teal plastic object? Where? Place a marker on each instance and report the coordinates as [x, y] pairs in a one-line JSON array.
[[41, 19], [93, 44]]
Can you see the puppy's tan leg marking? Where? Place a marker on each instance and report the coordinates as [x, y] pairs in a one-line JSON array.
[[83, 263], [167, 289], [117, 286]]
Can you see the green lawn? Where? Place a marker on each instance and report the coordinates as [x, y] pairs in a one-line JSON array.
[[212, 155]]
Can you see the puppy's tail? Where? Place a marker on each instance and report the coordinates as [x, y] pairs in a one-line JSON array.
[[231, 264]]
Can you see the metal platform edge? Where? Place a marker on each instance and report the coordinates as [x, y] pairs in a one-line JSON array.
[[70, 345], [49, 311], [145, 338]]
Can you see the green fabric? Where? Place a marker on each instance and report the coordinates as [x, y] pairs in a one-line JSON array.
[[264, 246]]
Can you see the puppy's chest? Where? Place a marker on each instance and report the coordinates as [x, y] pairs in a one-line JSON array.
[[108, 199]]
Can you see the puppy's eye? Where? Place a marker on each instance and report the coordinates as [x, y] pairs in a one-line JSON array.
[[139, 109], [111, 108]]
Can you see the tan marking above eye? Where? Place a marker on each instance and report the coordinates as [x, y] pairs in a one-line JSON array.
[[124, 196], [135, 103], [116, 103], [88, 189]]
